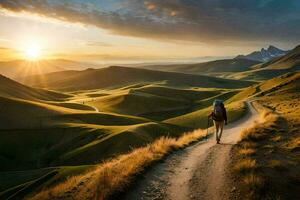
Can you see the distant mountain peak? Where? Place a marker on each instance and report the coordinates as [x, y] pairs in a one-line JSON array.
[[271, 47], [264, 55]]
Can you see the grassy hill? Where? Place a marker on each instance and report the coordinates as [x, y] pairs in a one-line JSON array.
[[198, 118], [233, 103], [48, 130], [49, 135], [270, 150], [153, 101], [13, 89], [175, 93], [136, 103], [280, 94], [217, 67], [20, 183], [74, 129], [121, 76], [21, 114]]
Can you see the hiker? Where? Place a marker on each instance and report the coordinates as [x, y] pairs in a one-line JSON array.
[[220, 117]]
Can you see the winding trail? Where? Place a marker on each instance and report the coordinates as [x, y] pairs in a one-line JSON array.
[[197, 172], [95, 108]]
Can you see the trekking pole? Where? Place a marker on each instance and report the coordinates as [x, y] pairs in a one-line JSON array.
[[207, 127]]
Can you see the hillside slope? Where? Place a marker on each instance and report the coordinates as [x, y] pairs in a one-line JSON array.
[[292, 59], [120, 76], [108, 174], [11, 88], [153, 101], [270, 150], [276, 67], [211, 67]]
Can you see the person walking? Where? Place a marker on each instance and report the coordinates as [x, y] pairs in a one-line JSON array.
[[219, 117]]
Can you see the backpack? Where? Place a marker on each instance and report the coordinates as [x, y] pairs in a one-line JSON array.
[[218, 112]]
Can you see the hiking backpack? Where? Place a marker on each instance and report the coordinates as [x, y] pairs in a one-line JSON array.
[[218, 112]]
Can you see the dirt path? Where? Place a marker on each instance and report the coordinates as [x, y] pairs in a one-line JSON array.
[[95, 108], [198, 172]]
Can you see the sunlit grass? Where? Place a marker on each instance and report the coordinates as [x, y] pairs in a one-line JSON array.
[[245, 166], [294, 144], [276, 164], [114, 175], [246, 152], [253, 182]]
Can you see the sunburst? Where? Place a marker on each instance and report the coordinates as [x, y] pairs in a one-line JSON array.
[[33, 52]]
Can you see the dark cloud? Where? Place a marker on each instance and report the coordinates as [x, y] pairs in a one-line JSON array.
[[193, 20]]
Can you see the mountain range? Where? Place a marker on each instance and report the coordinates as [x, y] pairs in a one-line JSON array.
[[275, 67], [19, 68], [264, 55]]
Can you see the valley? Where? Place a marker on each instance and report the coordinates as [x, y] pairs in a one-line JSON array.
[[63, 124]]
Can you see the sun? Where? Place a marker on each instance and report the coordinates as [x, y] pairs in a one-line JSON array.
[[33, 52]]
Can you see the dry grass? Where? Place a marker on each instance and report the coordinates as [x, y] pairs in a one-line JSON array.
[[253, 182], [259, 130], [277, 138], [294, 144], [115, 175], [276, 143], [246, 152], [262, 156], [245, 166], [247, 145], [276, 164]]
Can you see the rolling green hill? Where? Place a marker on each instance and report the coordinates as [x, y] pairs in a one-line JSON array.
[[216, 67], [134, 103], [13, 89], [289, 81], [198, 118], [95, 141], [23, 114], [153, 101], [175, 93], [49, 138], [115, 76]]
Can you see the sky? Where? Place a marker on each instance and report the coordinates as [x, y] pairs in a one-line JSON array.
[[145, 30]]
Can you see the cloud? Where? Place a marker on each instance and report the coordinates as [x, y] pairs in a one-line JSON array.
[[109, 57], [212, 21], [98, 44]]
